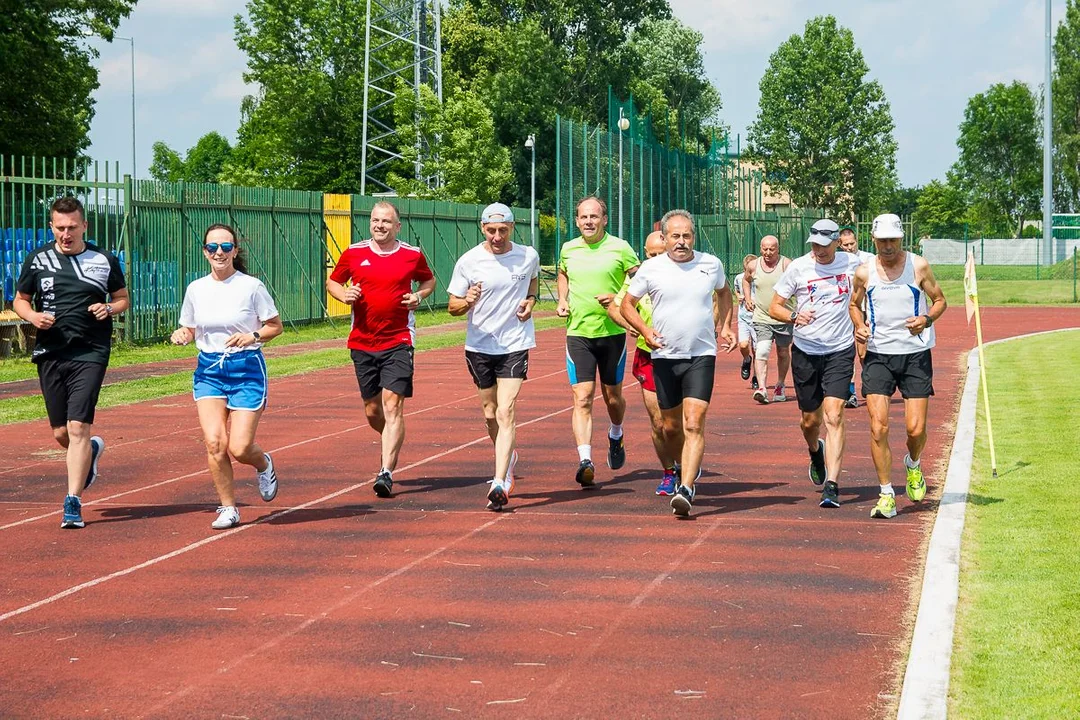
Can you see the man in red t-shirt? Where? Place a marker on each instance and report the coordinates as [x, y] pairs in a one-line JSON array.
[[380, 273]]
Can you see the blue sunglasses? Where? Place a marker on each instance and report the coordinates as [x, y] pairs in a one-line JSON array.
[[213, 247]]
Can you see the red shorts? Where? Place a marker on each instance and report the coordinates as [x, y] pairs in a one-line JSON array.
[[642, 369]]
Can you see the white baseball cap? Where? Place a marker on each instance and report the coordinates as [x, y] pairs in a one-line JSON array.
[[496, 212], [887, 226], [823, 232]]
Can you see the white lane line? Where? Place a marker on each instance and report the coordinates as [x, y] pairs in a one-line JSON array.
[[925, 692], [229, 533], [205, 471]]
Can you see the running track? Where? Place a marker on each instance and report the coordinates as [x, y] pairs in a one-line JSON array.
[[597, 604]]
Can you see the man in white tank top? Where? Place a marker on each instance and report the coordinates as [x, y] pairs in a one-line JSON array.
[[902, 301]]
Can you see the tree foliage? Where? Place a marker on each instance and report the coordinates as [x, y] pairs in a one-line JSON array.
[[1000, 156], [822, 126], [204, 162], [941, 210], [474, 167], [1066, 111], [46, 75]]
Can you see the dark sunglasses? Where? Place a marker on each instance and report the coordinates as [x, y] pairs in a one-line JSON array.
[[213, 247], [831, 234]]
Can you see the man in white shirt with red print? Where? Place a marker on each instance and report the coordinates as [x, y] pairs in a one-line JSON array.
[[496, 283], [823, 355], [682, 284], [381, 272]]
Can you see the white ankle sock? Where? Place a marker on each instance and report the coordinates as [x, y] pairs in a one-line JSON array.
[[614, 431], [584, 452]]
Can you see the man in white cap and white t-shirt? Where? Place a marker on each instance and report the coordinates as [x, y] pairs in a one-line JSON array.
[[823, 354], [903, 300], [496, 284]]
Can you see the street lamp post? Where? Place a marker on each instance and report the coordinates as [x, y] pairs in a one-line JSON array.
[[132, 41], [530, 142], [624, 124]]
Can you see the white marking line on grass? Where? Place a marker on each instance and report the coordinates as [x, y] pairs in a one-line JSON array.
[[926, 681], [205, 471], [213, 538]]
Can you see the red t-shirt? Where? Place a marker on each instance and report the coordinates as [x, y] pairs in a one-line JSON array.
[[380, 321]]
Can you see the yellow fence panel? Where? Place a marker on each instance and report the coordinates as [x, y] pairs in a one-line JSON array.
[[337, 214]]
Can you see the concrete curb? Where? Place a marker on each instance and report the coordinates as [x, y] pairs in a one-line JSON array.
[[925, 692]]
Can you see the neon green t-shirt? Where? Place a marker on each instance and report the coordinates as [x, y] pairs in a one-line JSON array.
[[594, 270], [644, 308]]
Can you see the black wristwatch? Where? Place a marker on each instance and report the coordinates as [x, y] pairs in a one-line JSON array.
[[929, 320], [255, 334], [530, 297], [794, 315]]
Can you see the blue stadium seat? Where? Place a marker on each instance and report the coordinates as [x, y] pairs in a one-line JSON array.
[[9, 288], [123, 263], [20, 256], [40, 237], [6, 241], [7, 234], [49, 237], [19, 233], [9, 256]]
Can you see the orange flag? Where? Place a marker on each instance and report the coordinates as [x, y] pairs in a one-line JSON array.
[[971, 286]]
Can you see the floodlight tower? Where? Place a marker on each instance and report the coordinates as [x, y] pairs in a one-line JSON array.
[[402, 40]]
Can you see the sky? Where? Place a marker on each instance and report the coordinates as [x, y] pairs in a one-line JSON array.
[[930, 57]]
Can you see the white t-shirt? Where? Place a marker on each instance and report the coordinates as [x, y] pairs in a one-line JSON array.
[[865, 257], [744, 314], [825, 289], [218, 308], [889, 304], [682, 298], [493, 327]]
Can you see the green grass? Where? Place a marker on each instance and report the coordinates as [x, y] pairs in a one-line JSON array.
[[20, 368], [1011, 292], [1017, 646], [32, 407]]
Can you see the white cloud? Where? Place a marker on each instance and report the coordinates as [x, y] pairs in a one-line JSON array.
[[215, 63], [732, 24]]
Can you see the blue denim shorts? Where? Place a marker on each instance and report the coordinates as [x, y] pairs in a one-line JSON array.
[[237, 377]]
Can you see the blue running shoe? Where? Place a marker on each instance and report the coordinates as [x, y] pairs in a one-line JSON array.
[[97, 449], [667, 483], [72, 513]]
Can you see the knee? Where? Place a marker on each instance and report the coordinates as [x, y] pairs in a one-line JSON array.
[[761, 352], [240, 449], [217, 446], [694, 427], [879, 430], [583, 402], [505, 416], [60, 434], [834, 418], [77, 431], [809, 422], [916, 428]]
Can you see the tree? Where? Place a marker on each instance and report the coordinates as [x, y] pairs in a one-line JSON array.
[[822, 127], [902, 200], [473, 167], [669, 79], [1066, 111], [1000, 157], [941, 210], [46, 75], [203, 163]]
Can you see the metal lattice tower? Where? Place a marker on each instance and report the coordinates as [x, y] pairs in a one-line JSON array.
[[402, 39]]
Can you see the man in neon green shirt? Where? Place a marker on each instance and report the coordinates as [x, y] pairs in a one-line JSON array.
[[592, 268], [643, 371]]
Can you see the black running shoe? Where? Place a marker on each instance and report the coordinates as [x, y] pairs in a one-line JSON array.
[[830, 496], [683, 501], [384, 483], [852, 401], [616, 453], [754, 383], [745, 369], [586, 474], [817, 463]]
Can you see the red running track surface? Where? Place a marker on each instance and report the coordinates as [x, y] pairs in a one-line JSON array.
[[330, 602]]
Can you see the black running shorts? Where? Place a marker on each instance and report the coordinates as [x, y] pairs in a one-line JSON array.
[[485, 369], [384, 370], [70, 388], [913, 374], [817, 377], [677, 380], [584, 356]]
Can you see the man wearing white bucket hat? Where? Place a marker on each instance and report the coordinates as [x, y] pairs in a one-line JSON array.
[[823, 354], [903, 300]]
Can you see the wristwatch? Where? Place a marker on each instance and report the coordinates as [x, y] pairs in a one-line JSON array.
[[794, 316], [255, 334], [929, 320], [108, 309], [530, 297]]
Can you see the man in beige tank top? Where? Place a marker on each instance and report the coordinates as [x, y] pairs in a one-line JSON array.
[[761, 278]]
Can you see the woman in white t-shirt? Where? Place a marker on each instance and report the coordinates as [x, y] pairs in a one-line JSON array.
[[229, 315]]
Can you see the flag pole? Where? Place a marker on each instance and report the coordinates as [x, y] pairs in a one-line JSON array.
[[971, 289]]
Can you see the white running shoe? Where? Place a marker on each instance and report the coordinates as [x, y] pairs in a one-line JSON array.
[[228, 517], [268, 480], [97, 449]]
